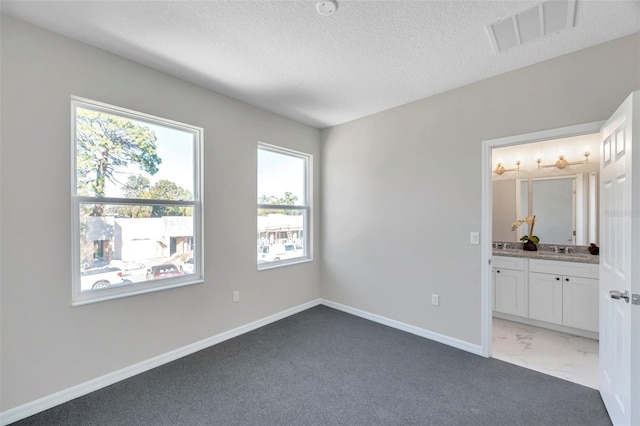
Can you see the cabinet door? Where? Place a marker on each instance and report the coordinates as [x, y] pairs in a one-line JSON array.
[[580, 303], [510, 295], [545, 297]]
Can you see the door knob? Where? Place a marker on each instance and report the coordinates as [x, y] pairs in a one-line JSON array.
[[615, 294]]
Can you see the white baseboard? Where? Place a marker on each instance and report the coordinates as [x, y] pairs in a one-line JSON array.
[[441, 338], [555, 327], [23, 411]]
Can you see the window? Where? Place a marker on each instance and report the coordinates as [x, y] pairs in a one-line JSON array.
[[136, 202], [283, 206]]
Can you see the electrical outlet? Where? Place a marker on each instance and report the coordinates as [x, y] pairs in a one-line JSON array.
[[236, 296], [435, 300]]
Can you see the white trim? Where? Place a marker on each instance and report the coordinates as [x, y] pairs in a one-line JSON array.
[[486, 229], [562, 132], [79, 297], [142, 288], [49, 401], [281, 263], [579, 212], [593, 209], [25, 410], [519, 212], [131, 114], [487, 209], [549, 326], [306, 207], [441, 338]]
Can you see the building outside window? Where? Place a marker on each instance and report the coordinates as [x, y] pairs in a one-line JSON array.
[[283, 235], [137, 210]]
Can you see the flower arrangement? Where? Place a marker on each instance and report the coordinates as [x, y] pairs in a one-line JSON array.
[[530, 240]]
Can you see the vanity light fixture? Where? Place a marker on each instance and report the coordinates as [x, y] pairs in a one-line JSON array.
[[500, 169], [562, 162]]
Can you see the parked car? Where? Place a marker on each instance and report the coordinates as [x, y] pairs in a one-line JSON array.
[[163, 271], [187, 266], [277, 252], [97, 278], [97, 263]]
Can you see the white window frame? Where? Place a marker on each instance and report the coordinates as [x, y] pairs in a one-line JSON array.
[[82, 298], [306, 206]]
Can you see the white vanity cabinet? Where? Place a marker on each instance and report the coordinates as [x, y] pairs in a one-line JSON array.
[[545, 297], [510, 285], [580, 303], [556, 294], [564, 293]]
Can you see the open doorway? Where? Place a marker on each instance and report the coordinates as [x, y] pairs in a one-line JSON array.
[[539, 306]]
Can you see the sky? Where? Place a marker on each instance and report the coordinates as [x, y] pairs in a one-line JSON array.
[[277, 172], [280, 173], [176, 149]]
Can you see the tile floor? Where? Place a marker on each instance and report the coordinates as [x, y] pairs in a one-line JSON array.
[[562, 355]]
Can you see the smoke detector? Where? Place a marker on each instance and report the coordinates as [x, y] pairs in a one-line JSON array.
[[326, 7]]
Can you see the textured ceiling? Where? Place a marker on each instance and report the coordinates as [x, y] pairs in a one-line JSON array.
[[284, 57]]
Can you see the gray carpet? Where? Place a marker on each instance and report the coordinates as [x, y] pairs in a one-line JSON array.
[[325, 367]]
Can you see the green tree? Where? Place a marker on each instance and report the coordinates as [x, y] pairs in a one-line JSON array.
[[107, 144], [136, 186], [288, 200], [140, 187], [167, 190], [264, 199]]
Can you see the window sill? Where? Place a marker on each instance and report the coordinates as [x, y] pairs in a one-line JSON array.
[[280, 264], [125, 291]]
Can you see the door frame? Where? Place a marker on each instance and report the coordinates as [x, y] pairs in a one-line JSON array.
[[487, 210]]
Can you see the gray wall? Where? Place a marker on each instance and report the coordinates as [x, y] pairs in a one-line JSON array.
[[401, 192], [47, 345], [504, 210], [402, 188]]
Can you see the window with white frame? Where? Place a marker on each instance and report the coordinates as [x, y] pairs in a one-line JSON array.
[[136, 203], [283, 206]]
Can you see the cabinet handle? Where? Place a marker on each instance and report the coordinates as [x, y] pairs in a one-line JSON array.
[[557, 278], [566, 279], [498, 271]]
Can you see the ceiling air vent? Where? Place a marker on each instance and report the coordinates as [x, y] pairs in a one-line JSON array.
[[546, 18]]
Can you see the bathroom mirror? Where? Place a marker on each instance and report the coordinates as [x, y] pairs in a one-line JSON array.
[[565, 208], [563, 199], [553, 201]]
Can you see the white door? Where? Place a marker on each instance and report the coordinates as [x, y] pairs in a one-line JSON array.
[[620, 264]]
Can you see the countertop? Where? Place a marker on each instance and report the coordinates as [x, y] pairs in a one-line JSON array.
[[548, 255]]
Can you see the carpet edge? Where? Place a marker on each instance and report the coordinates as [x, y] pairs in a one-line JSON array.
[[437, 337], [41, 404]]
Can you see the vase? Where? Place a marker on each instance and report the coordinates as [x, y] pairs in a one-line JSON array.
[[529, 246]]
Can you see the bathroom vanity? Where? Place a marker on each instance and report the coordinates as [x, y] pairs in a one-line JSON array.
[[547, 289]]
